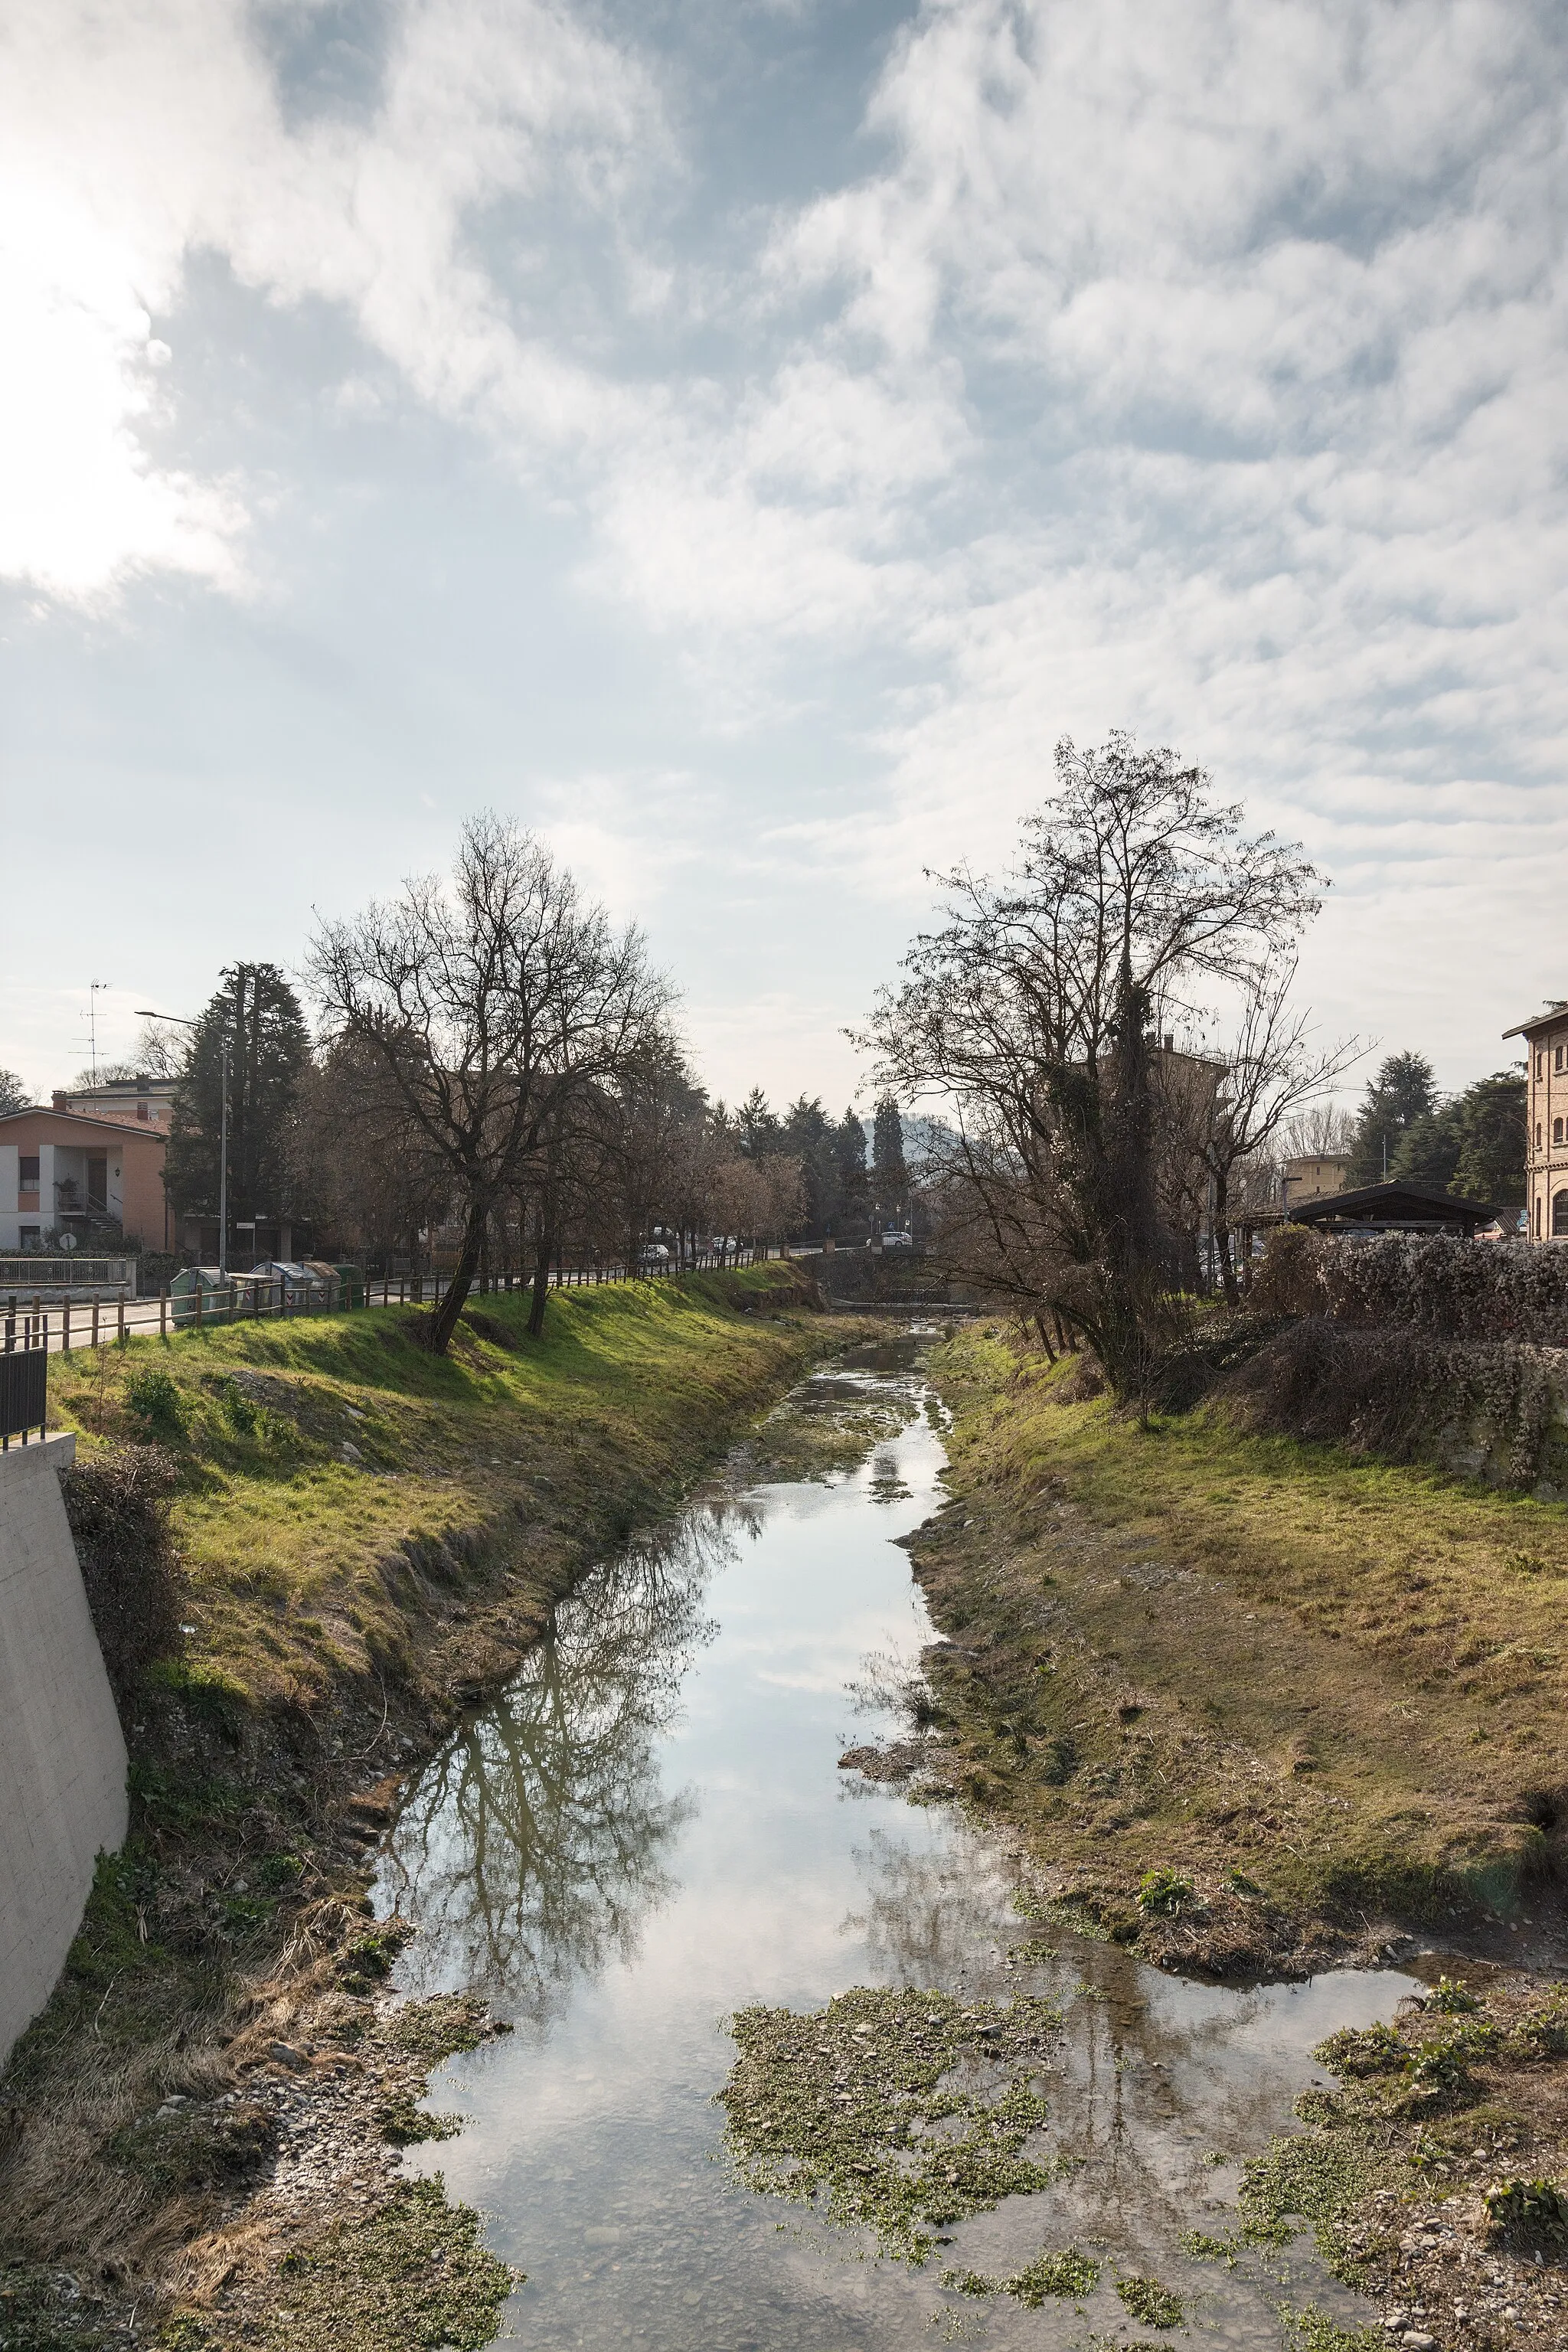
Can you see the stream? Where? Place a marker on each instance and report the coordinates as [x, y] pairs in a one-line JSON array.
[[649, 1830]]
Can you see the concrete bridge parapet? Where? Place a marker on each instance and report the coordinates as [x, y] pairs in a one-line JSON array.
[[62, 1752]]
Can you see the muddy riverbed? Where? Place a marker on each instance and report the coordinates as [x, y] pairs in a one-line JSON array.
[[650, 1830]]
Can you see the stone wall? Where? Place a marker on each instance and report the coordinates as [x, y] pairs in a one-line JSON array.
[[62, 1753]]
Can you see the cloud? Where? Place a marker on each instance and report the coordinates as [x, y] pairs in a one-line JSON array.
[[1200, 370]]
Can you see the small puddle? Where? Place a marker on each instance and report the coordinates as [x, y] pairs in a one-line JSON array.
[[648, 1832]]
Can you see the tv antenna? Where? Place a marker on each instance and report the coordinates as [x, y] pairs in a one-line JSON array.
[[95, 988]]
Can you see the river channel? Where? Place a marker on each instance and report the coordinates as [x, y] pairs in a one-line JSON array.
[[649, 1830]]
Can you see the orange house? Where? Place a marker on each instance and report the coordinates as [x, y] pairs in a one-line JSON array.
[[58, 1171]]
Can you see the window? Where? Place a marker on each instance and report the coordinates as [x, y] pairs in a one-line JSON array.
[[1560, 1216], [1541, 1065], [1557, 1058], [1538, 1135], [1557, 1131], [28, 1173], [98, 1180], [1538, 1216], [30, 1238]]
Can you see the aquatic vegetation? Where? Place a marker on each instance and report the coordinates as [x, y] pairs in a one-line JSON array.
[[1151, 2304], [411, 2272], [860, 2104], [1312, 2330], [1069, 2274]]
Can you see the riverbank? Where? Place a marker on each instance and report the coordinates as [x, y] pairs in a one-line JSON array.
[[335, 1544], [1320, 1697]]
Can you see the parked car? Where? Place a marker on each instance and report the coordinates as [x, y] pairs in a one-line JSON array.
[[897, 1240], [653, 1253]]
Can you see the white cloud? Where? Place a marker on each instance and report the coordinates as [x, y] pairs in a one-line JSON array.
[[1199, 370]]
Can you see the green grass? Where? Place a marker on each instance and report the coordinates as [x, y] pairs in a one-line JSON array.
[[1310, 1682], [305, 1565]]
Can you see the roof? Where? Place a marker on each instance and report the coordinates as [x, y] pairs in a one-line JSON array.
[[118, 1128], [1406, 1203], [1556, 1011]]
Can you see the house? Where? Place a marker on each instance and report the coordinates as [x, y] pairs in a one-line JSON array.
[[1315, 1176], [62, 1171], [1546, 1139], [144, 1101]]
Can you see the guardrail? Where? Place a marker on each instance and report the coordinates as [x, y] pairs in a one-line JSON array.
[[58, 1326]]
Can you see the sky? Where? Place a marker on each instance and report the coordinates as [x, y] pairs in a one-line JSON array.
[[738, 438]]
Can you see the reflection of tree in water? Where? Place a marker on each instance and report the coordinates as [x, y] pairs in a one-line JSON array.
[[928, 1914], [533, 1848]]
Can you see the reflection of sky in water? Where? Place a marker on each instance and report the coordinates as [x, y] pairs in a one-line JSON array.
[[649, 1830]]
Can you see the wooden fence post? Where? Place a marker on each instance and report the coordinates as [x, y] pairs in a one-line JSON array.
[[119, 1303], [163, 1312], [66, 1326], [95, 1318], [199, 1288]]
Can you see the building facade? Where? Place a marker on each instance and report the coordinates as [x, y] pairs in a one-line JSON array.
[[1546, 1141], [60, 1172], [144, 1101], [1315, 1176]]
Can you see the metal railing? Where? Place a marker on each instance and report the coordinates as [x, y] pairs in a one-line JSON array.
[[24, 1385], [58, 1326]]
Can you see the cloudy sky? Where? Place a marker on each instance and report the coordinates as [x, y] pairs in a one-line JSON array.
[[738, 437]]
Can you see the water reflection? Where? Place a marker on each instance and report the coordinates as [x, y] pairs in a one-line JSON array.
[[533, 1847]]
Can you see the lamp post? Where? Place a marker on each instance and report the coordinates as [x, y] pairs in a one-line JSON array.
[[180, 1022]]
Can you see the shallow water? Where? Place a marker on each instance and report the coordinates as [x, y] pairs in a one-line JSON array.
[[648, 1830]]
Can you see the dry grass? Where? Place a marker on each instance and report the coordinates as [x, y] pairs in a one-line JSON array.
[[1224, 1653]]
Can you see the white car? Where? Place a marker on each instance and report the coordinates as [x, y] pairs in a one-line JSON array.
[[897, 1240]]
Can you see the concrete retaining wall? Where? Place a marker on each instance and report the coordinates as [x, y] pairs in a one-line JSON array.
[[62, 1754]]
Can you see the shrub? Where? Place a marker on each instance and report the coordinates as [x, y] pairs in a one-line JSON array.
[[1164, 1893], [1452, 1289], [151, 1398], [118, 1508], [1527, 2213]]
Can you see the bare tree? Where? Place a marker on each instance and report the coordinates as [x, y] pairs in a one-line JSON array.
[[493, 1004], [1273, 1072], [1031, 1015]]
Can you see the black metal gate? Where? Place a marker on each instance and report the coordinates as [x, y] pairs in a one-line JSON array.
[[23, 1393]]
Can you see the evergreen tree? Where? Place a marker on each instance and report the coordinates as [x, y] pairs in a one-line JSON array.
[[808, 1136], [889, 1178], [1494, 1140], [1403, 1091], [257, 1014], [756, 1125], [1428, 1150], [850, 1154]]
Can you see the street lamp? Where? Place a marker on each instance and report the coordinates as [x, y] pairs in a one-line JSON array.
[[179, 1020]]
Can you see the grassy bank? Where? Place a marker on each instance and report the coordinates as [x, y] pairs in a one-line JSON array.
[[357, 1540], [1242, 1697]]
